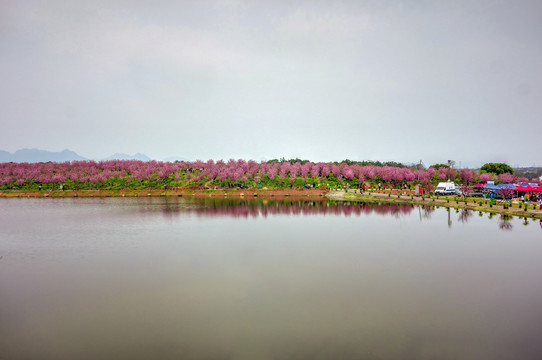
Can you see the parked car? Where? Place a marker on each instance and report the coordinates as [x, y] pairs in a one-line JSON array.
[[447, 188]]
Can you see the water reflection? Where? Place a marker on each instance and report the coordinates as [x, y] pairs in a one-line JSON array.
[[505, 223], [263, 208], [427, 211], [465, 215], [239, 208], [109, 278]]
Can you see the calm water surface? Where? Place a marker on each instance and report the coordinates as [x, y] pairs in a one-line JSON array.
[[161, 278]]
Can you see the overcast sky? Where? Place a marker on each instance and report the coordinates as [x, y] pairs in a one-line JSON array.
[[319, 80]]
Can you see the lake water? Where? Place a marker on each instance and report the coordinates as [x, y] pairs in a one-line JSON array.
[[162, 278]]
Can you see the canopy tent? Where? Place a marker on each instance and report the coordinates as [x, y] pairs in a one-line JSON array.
[[496, 189], [478, 185], [491, 187], [528, 188]]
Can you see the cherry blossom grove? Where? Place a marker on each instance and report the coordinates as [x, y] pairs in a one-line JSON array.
[[137, 174]]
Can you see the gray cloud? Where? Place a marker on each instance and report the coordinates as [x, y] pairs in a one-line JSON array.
[[387, 80]]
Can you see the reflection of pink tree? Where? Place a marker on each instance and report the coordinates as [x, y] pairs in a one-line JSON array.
[[505, 223], [465, 215]]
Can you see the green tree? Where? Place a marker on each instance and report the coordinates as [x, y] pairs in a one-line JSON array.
[[438, 166], [496, 168]]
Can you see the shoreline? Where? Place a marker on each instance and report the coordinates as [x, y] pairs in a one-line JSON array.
[[314, 194], [219, 193], [418, 200]]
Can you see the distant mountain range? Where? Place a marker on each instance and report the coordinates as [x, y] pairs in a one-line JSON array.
[[36, 155]]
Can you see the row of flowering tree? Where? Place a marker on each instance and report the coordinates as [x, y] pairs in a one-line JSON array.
[[119, 174]]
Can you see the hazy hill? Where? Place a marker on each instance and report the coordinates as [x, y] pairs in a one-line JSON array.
[[36, 155], [5, 156]]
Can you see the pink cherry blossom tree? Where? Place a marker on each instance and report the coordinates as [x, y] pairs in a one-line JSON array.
[[507, 178], [485, 177]]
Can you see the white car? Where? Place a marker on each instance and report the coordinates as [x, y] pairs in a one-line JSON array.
[[447, 188]]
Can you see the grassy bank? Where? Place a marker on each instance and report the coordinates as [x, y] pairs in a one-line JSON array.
[[449, 203]]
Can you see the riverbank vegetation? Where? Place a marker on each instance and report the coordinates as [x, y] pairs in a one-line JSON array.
[[134, 174]]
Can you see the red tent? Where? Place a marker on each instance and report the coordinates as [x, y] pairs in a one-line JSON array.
[[478, 185], [528, 188]]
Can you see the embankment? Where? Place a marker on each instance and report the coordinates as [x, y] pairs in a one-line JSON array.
[[219, 193], [408, 199], [277, 193]]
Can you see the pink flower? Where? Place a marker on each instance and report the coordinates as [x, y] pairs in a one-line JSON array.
[[485, 177]]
